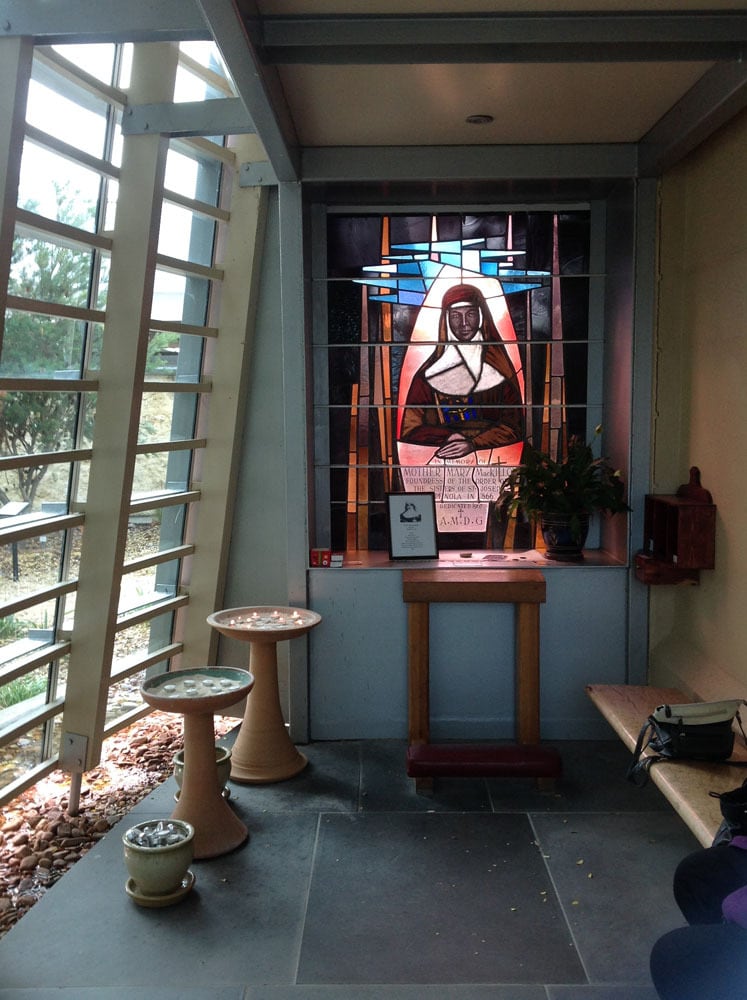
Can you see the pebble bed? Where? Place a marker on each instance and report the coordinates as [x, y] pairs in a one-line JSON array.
[[40, 840]]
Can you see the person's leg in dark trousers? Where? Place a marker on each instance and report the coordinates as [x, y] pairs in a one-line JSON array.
[[706, 962], [705, 878]]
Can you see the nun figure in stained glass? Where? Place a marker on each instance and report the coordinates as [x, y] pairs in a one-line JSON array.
[[466, 396]]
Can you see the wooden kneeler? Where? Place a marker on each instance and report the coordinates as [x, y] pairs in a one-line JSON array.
[[526, 590]]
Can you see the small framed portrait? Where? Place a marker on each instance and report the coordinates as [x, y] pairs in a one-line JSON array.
[[411, 519]]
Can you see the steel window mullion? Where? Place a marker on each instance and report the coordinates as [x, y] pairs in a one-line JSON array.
[[31, 777], [177, 326], [163, 556], [39, 658], [134, 665], [158, 500], [187, 267], [9, 462], [72, 153], [56, 309], [198, 207], [128, 619], [29, 223], [198, 147], [33, 717], [48, 385], [42, 526], [173, 387], [209, 76], [38, 597], [126, 719], [156, 447], [52, 59]]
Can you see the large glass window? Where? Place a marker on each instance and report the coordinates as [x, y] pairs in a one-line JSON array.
[[52, 348], [52, 325]]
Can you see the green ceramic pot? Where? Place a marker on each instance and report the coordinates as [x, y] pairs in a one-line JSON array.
[[158, 854], [222, 764]]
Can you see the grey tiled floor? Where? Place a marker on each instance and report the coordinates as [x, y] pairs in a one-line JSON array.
[[353, 887]]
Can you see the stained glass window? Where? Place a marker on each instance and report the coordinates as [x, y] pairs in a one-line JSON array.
[[450, 340]]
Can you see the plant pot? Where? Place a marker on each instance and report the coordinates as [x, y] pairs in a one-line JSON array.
[[223, 770], [564, 535], [158, 854]]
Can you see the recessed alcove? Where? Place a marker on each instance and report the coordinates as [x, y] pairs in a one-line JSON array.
[[595, 611]]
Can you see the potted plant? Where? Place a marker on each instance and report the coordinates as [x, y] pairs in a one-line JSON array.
[[562, 495]]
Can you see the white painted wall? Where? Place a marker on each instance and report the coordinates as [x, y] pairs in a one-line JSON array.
[[699, 634]]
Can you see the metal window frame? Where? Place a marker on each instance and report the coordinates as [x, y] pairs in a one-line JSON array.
[[108, 506]]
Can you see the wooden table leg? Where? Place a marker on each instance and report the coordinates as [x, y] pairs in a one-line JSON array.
[[527, 674], [418, 663], [418, 680]]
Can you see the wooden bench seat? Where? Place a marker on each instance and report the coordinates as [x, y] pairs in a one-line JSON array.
[[685, 783]]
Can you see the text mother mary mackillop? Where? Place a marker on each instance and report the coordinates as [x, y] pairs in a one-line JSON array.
[[466, 395]]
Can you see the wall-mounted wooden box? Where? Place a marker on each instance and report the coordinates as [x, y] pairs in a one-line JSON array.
[[680, 535], [681, 532]]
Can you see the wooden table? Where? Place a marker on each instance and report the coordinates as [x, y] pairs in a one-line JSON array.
[[526, 590]]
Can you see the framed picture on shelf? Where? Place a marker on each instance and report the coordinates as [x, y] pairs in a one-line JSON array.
[[411, 521]]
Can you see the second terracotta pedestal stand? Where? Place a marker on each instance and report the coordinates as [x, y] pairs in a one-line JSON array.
[[263, 751], [218, 829]]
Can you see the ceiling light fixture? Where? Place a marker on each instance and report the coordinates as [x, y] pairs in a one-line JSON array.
[[479, 119]]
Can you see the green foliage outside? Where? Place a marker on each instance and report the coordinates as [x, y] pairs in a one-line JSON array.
[[11, 628], [20, 689], [36, 345], [39, 346], [25, 687]]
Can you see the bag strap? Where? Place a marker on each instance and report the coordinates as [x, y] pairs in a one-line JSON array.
[[738, 717], [640, 765], [738, 763]]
